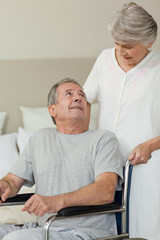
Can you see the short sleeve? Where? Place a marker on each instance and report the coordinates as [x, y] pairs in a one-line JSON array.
[[108, 156], [23, 167]]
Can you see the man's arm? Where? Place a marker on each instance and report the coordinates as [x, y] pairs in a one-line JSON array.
[[100, 192], [10, 186]]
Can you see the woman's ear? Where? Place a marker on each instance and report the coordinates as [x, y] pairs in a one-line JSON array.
[[52, 110], [149, 45]]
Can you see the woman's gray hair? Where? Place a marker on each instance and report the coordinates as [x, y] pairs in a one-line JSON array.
[[53, 95], [133, 24]]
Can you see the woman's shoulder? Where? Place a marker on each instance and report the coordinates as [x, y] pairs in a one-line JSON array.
[[107, 52], [156, 56], [153, 61], [105, 55]]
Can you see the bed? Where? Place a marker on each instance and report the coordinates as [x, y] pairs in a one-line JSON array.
[[23, 110]]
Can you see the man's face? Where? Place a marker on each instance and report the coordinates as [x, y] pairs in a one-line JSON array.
[[71, 103]]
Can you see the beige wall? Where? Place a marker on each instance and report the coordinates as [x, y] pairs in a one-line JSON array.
[[60, 28], [27, 83], [43, 41]]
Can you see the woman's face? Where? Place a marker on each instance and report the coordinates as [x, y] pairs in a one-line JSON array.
[[131, 54]]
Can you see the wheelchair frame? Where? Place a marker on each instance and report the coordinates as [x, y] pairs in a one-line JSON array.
[[79, 211], [114, 207]]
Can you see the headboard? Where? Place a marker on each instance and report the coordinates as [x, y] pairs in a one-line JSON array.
[[27, 83]]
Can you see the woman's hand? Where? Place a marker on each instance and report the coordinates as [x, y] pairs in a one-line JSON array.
[[140, 154]]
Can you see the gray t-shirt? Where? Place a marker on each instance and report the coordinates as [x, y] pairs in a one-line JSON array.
[[59, 163]]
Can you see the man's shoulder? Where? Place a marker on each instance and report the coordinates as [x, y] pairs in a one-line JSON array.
[[102, 133], [95, 135], [44, 132]]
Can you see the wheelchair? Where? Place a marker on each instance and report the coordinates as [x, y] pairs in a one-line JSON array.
[[120, 207]]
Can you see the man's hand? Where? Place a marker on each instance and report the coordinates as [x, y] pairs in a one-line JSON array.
[[140, 154], [4, 190], [10, 186], [40, 205]]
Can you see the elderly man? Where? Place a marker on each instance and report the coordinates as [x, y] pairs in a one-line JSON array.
[[69, 165]]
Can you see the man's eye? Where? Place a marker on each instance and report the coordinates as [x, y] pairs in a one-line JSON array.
[[68, 93], [81, 94]]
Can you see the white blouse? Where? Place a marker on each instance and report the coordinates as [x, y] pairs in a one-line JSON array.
[[129, 102], [130, 107]]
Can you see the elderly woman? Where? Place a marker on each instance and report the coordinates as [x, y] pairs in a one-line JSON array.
[[126, 81]]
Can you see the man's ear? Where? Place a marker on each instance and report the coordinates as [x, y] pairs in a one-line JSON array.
[[52, 110]]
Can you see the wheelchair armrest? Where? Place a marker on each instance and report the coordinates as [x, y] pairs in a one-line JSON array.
[[78, 211], [83, 210], [19, 199]]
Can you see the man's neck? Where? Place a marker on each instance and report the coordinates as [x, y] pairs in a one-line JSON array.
[[71, 128]]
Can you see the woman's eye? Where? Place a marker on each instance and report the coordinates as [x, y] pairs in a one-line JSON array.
[[128, 47]]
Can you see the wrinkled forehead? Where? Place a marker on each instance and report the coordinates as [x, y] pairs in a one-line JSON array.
[[70, 87]]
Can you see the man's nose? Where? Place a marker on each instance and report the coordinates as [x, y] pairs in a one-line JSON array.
[[77, 98]]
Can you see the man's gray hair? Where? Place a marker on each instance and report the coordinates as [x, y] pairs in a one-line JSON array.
[[53, 95], [133, 24]]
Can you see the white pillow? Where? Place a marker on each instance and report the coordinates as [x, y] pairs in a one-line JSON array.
[[94, 116], [36, 118], [14, 215], [8, 152], [8, 155], [2, 119], [23, 137]]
